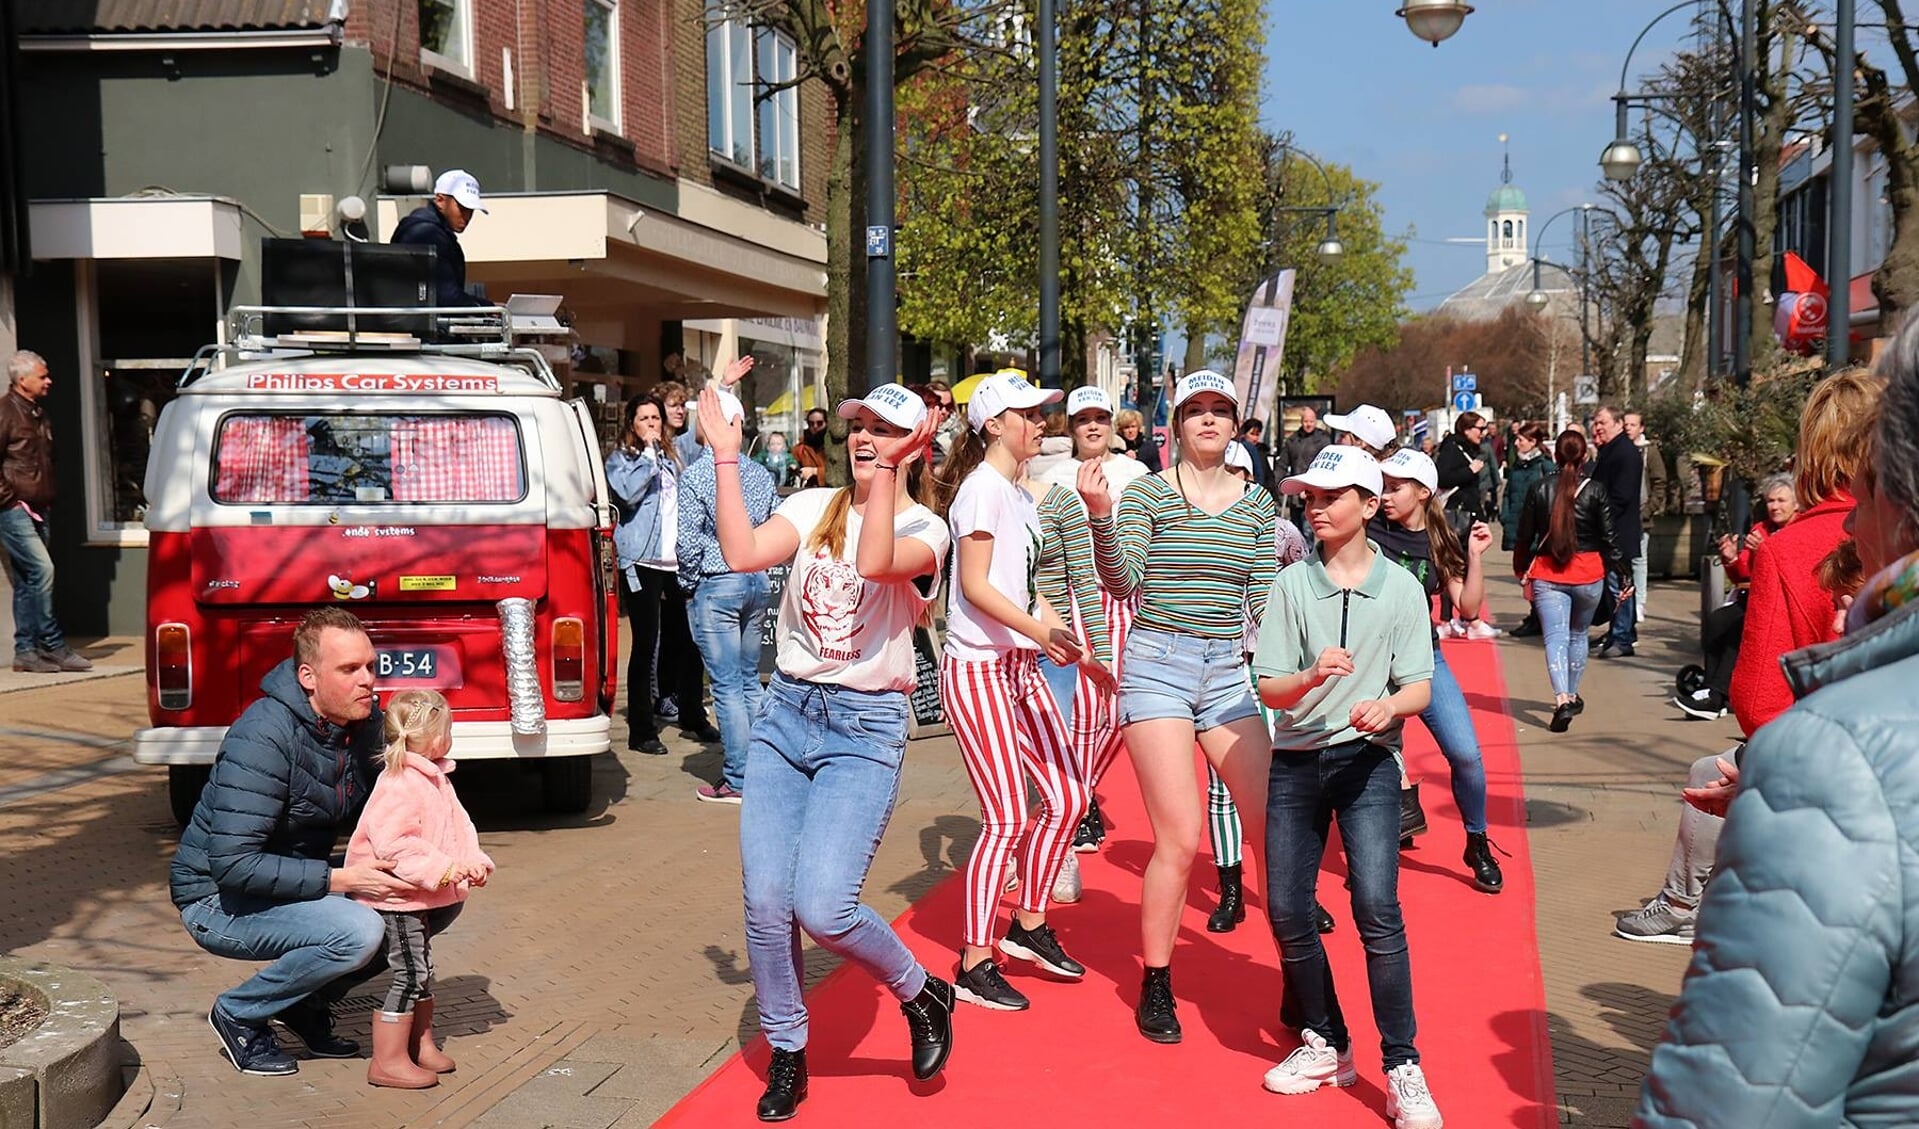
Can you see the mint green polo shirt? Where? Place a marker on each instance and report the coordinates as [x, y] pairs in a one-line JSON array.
[[1388, 628]]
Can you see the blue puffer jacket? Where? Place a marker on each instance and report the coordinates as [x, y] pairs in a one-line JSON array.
[[1801, 1006], [286, 785], [638, 487]]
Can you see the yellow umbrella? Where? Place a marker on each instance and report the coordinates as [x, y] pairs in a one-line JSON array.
[[963, 391]]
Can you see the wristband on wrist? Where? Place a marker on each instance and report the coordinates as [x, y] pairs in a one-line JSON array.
[[734, 461]]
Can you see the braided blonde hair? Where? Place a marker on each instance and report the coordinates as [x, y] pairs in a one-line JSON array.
[[415, 721]]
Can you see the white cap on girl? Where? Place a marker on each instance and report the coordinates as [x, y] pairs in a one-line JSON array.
[[1371, 424], [894, 403], [1336, 468], [1204, 380], [1416, 465], [1004, 391], [1087, 398]]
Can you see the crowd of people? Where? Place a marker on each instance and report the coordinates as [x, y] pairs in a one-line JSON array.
[[1281, 615]]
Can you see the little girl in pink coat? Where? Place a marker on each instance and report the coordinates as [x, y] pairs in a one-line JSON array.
[[414, 821]]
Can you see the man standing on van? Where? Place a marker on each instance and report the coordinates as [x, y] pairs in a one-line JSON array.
[[26, 500], [251, 877], [456, 196]]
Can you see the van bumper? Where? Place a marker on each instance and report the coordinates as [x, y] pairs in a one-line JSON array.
[[472, 740]]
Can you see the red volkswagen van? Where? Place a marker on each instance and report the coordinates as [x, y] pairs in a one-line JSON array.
[[448, 495]]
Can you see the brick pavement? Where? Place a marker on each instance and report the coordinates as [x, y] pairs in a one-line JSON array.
[[602, 975]]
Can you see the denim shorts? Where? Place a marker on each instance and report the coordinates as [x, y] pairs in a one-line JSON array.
[[1166, 674]]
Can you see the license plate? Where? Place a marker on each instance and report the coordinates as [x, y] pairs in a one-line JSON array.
[[416, 666]]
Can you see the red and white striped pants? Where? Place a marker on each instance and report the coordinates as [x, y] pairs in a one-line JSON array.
[[1005, 720]]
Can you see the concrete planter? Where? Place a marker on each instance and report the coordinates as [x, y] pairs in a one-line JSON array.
[[66, 1073], [1676, 544]]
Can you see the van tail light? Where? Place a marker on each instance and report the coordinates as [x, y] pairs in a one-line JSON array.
[[569, 660], [173, 665]]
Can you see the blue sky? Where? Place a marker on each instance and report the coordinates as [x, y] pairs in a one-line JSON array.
[[1354, 86]]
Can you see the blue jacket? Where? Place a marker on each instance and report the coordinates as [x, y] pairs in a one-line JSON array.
[[286, 784], [424, 226], [637, 490], [1801, 1005]]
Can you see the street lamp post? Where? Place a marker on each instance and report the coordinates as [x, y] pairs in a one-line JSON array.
[[1839, 233], [1538, 298], [1330, 250], [1049, 374], [882, 315], [1434, 21]]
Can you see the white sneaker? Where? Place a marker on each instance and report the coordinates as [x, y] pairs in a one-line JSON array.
[[1313, 1065], [1408, 1102], [1481, 630], [1452, 629], [1067, 887]]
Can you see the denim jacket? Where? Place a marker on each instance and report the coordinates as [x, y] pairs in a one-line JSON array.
[[637, 490], [1799, 1005]]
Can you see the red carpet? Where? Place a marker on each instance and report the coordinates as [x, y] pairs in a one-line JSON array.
[[1075, 1058]]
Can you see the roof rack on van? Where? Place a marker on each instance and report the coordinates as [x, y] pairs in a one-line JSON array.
[[484, 333]]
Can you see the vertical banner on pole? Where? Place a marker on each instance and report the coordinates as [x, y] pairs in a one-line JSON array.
[[1262, 346]]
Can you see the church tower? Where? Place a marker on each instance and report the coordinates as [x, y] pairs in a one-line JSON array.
[[1506, 234]]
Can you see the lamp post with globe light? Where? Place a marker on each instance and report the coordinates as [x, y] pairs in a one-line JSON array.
[[1538, 299], [1434, 21]]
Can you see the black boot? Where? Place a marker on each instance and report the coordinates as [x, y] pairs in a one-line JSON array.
[[785, 1085], [1412, 817], [1155, 1012], [1322, 920], [929, 1019], [1232, 905], [1479, 856]]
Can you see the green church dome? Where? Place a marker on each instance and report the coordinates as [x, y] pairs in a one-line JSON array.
[[1505, 198]]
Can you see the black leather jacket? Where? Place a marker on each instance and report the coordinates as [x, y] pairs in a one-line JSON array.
[[1592, 526]]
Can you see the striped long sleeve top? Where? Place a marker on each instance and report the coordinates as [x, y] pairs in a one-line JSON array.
[[1066, 574], [1195, 573]]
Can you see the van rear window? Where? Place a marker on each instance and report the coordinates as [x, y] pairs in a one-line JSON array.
[[341, 458]]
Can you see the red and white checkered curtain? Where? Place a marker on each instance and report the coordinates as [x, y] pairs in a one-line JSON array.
[[262, 459], [456, 459]]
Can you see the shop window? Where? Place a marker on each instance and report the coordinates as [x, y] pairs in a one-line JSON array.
[[603, 64], [446, 34], [143, 321]]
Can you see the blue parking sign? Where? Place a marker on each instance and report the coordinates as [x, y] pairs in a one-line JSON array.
[[1465, 382]]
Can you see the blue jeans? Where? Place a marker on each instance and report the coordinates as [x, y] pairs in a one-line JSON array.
[[1167, 674], [1450, 722], [1565, 612], [1625, 616], [726, 612], [324, 945], [25, 540], [1356, 782], [1061, 680], [822, 773]]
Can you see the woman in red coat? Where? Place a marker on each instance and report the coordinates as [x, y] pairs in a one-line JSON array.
[[1785, 607]]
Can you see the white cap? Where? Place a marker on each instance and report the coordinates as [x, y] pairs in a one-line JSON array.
[[1204, 380], [894, 403], [459, 184], [1087, 398], [1416, 465], [1336, 468], [1236, 456], [1372, 425], [730, 406], [1006, 390]]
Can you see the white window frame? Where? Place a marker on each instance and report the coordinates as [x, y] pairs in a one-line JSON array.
[[97, 463], [727, 148], [610, 124], [463, 16], [782, 106]]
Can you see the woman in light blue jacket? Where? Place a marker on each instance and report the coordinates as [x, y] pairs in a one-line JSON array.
[[644, 472], [1799, 1006]]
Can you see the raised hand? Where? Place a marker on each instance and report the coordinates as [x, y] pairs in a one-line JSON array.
[[1093, 490], [736, 371], [721, 434], [899, 450], [1480, 539]]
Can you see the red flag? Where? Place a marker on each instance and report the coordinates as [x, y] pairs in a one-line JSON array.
[[1799, 317]]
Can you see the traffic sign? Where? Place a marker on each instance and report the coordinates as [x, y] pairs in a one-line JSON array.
[[1465, 401], [1465, 382]]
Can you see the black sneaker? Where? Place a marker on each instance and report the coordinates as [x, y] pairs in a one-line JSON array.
[[651, 746], [313, 1023], [929, 1019], [1040, 946], [666, 708], [1578, 705], [1099, 821], [251, 1050], [1479, 856], [1322, 920], [982, 984], [785, 1085], [1527, 629], [1562, 717], [1706, 705], [1156, 1015], [1086, 835], [703, 732]]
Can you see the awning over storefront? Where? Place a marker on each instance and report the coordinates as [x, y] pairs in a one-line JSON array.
[[610, 256], [135, 227]]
